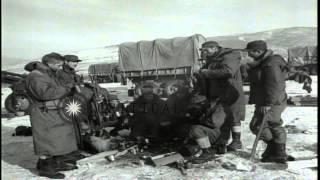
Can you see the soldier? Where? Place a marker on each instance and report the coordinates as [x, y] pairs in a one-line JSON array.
[[52, 136], [148, 112], [223, 77], [207, 119], [68, 78], [68, 73], [267, 91]]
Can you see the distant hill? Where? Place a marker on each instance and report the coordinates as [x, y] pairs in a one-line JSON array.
[[278, 40], [9, 62]]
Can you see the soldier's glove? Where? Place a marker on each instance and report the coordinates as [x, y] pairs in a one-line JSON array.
[[73, 90], [204, 72], [264, 109], [84, 126], [307, 87], [307, 84], [98, 99]]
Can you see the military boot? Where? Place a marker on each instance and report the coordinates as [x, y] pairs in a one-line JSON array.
[[268, 152], [208, 154], [70, 158], [236, 142], [61, 165], [221, 148], [47, 168], [279, 154]]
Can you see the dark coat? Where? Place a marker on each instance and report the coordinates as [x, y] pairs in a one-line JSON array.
[[267, 80], [225, 81], [147, 116], [68, 76], [51, 134]]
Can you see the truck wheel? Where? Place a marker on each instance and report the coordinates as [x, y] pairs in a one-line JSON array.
[[9, 104], [14, 103], [23, 103]]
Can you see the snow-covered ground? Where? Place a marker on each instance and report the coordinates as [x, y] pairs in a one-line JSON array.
[[18, 160]]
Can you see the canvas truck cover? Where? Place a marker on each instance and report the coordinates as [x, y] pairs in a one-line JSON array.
[[102, 69], [160, 53], [299, 56]]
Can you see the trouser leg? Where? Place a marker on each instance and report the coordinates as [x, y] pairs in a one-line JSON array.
[[202, 132]]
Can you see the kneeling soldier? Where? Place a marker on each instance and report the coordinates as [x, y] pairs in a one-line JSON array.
[[207, 120]]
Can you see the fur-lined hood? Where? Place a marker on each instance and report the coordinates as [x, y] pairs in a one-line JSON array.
[[255, 63]]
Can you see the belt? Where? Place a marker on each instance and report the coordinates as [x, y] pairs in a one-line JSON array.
[[49, 105]]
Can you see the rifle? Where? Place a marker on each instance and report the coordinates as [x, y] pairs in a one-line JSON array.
[[95, 104], [111, 115], [256, 141]]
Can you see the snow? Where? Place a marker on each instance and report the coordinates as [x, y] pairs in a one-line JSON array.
[[18, 160]]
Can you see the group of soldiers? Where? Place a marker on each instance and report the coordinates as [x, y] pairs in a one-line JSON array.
[[214, 109], [203, 117]]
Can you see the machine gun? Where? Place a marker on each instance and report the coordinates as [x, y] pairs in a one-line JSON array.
[[11, 78], [103, 112]]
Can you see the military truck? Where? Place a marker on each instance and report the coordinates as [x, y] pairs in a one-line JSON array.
[[106, 73], [304, 58], [161, 62]]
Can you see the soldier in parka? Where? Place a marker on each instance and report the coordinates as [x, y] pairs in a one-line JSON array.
[[196, 120], [148, 111], [207, 118], [69, 78], [52, 136], [68, 73], [222, 82], [267, 76]]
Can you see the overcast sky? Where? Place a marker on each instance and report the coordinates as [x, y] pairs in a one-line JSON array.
[[31, 28]]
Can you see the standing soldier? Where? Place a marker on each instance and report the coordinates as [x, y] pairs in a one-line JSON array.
[[223, 77], [52, 136], [68, 74], [68, 77], [267, 91]]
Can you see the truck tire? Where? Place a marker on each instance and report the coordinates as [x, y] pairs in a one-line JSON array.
[[9, 104], [24, 102]]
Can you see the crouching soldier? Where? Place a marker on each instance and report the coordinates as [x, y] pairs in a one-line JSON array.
[[205, 120], [267, 91], [147, 114], [52, 136]]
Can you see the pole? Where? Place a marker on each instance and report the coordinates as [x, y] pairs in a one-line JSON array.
[[255, 144]]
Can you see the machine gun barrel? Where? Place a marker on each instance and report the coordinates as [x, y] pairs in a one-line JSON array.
[[10, 77]]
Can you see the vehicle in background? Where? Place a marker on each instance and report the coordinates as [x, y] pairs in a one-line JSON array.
[[161, 62], [304, 58], [106, 73]]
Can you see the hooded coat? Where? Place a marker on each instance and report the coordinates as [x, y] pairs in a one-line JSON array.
[[68, 75], [225, 82], [267, 80], [52, 135]]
